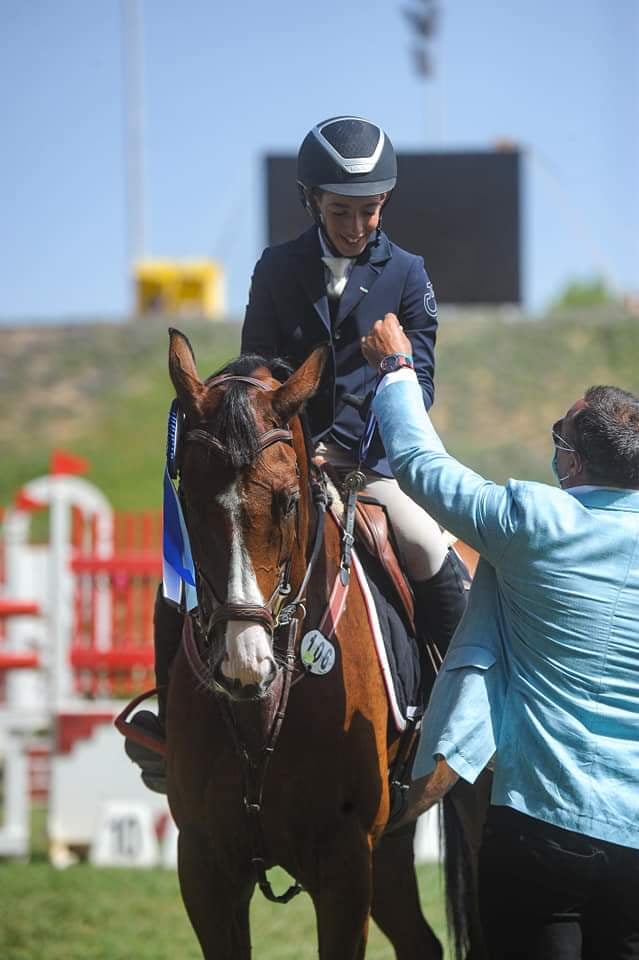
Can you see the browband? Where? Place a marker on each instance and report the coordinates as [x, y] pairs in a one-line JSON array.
[[265, 440], [226, 377]]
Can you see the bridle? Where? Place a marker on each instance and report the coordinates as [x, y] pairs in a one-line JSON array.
[[264, 614], [276, 612], [273, 615]]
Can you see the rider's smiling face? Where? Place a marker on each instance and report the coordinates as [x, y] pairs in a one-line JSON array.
[[349, 220]]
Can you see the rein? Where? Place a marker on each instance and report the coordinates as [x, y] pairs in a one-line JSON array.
[[254, 776]]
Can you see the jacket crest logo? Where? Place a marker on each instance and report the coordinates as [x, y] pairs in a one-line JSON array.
[[430, 304]]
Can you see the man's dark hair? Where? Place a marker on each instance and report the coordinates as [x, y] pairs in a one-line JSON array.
[[606, 435]]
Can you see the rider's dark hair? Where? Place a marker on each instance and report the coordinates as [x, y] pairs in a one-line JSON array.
[[605, 433]]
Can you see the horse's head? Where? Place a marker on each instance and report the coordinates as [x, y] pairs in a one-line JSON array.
[[244, 490]]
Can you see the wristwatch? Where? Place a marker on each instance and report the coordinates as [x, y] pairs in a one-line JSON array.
[[395, 361]]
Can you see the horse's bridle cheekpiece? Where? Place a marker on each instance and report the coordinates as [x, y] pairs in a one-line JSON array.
[[180, 573]]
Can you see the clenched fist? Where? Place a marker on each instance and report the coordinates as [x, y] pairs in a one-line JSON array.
[[387, 336]]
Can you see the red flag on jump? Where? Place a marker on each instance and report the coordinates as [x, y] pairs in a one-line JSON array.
[[63, 462], [23, 501]]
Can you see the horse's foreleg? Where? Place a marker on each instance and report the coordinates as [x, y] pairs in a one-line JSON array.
[[217, 904], [342, 896], [396, 908]]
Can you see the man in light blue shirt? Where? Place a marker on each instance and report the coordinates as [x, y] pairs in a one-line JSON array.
[[543, 670]]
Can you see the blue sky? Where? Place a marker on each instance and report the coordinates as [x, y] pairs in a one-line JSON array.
[[227, 82]]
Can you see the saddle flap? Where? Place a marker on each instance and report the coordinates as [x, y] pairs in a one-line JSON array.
[[373, 533]]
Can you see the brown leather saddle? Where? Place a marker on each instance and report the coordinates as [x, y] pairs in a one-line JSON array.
[[372, 531]]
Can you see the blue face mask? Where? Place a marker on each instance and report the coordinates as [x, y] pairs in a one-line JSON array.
[[559, 444]]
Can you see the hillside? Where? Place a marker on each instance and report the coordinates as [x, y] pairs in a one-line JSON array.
[[103, 391]]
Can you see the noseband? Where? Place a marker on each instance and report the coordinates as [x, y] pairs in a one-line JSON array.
[[270, 615]]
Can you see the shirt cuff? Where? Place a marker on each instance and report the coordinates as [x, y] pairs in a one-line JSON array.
[[404, 373]]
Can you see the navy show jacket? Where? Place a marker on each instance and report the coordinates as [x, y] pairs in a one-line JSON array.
[[288, 314]]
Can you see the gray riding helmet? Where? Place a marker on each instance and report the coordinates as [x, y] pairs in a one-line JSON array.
[[349, 156]]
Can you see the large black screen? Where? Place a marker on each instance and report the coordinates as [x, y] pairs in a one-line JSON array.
[[460, 211]]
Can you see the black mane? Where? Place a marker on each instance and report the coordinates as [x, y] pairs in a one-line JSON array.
[[234, 423]]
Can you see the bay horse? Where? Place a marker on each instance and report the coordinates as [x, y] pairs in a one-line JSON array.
[[266, 763]]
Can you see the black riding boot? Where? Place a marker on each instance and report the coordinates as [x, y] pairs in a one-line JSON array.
[[440, 602], [167, 632]]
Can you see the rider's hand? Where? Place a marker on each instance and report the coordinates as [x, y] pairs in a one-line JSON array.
[[387, 336]]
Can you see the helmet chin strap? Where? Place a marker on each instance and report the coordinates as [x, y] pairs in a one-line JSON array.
[[327, 240], [381, 215], [311, 209]]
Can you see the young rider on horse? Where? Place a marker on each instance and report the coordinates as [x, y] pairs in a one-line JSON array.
[[330, 285]]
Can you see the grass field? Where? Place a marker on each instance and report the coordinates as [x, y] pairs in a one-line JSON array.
[[85, 913], [88, 914]]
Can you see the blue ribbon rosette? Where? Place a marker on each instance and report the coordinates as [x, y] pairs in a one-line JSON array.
[[178, 569]]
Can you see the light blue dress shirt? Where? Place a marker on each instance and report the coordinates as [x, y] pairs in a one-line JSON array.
[[543, 670]]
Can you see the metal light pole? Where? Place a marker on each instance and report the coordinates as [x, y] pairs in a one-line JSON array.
[[423, 17], [133, 93]]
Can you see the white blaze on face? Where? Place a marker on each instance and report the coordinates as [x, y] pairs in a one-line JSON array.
[[249, 657]]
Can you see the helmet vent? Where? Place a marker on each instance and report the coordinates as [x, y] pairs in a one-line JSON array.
[[351, 138]]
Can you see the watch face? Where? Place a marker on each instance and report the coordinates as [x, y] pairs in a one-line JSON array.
[[390, 363], [395, 361]]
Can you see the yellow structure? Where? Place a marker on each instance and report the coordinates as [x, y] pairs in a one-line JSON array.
[[193, 287]]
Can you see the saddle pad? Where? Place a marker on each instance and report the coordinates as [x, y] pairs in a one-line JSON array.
[[398, 652]]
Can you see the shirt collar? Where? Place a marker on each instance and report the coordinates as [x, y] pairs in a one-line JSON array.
[[606, 498], [591, 488]]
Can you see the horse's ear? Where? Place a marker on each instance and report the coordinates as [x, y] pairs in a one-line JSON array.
[[301, 385], [182, 370]]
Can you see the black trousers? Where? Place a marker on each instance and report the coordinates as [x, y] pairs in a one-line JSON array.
[[550, 894]]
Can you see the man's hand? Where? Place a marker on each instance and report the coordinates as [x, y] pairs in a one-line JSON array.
[[387, 336], [427, 791]]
